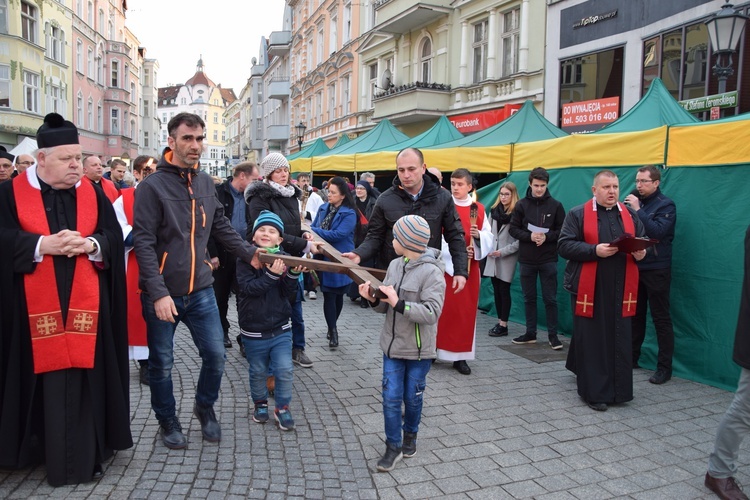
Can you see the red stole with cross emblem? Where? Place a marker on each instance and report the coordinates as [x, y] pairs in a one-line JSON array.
[[587, 280], [56, 346]]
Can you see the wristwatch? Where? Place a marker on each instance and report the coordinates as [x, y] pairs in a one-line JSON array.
[[95, 247]]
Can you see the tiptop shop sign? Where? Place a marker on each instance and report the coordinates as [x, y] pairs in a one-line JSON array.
[[585, 117]]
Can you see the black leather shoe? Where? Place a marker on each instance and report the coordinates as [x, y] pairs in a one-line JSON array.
[[209, 426], [98, 472], [597, 406], [498, 331], [725, 488], [171, 434], [462, 367], [227, 341], [333, 340], [660, 377], [365, 304]]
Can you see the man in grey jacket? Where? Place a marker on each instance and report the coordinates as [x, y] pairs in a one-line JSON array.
[[175, 213]]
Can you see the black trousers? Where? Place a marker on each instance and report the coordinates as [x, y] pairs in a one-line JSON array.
[[225, 282], [653, 293], [502, 298]]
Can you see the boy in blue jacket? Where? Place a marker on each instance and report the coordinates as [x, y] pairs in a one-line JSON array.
[[264, 307]]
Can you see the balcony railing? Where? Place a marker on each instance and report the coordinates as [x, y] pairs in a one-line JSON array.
[[278, 88], [277, 133], [417, 99]]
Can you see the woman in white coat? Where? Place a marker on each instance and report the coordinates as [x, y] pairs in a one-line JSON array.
[[501, 262]]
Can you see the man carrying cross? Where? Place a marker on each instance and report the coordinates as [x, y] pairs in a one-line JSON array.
[[604, 287]]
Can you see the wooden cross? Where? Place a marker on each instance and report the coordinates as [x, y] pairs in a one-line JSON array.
[[46, 325], [630, 301], [585, 303], [338, 264]]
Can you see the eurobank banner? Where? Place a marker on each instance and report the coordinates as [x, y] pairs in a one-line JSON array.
[[474, 122]]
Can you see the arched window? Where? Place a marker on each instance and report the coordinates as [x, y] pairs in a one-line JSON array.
[[425, 61]]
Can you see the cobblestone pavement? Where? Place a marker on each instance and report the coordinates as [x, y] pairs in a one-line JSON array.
[[512, 429]]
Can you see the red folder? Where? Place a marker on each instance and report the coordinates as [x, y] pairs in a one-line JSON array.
[[628, 243]]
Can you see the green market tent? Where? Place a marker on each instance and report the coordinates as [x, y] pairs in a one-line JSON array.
[[492, 150], [706, 268], [343, 139], [342, 159], [655, 109], [302, 160], [385, 158]]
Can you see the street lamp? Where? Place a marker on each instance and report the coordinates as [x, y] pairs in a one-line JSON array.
[[216, 167], [725, 30], [300, 127], [246, 149]]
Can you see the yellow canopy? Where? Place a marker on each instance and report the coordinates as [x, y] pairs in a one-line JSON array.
[[706, 144], [593, 150], [494, 159]]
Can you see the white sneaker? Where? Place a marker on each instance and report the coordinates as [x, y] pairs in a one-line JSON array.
[[312, 296]]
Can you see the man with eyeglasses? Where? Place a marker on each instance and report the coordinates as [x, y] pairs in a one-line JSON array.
[[658, 214], [23, 162]]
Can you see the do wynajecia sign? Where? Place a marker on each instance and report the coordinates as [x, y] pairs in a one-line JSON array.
[[584, 117], [726, 100]]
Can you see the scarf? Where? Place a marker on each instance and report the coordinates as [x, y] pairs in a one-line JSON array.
[[284, 191], [54, 345], [326, 222], [587, 280]]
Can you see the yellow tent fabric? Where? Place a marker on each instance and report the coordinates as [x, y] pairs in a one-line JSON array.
[[593, 150], [706, 144], [494, 159]]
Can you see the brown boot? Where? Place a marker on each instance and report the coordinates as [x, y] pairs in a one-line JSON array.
[[270, 384]]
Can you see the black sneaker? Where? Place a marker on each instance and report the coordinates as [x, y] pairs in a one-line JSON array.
[[661, 376], [409, 447], [209, 426], [260, 414], [171, 434], [555, 343], [462, 367], [526, 338], [389, 460], [227, 341], [498, 331]]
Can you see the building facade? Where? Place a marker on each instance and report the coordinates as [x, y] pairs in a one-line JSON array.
[[199, 95], [150, 142], [467, 59], [35, 62], [604, 49], [324, 69]]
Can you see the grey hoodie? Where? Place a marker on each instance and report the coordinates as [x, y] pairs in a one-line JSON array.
[[410, 330]]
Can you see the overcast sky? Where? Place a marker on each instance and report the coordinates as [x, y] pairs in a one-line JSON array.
[[226, 32]]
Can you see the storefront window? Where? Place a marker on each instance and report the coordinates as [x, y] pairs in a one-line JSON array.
[[696, 61], [593, 76]]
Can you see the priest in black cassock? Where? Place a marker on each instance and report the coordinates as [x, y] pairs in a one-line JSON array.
[[64, 397], [604, 287]]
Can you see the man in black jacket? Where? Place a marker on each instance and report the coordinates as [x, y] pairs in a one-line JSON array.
[[416, 192], [659, 215], [536, 223], [231, 194], [175, 212]]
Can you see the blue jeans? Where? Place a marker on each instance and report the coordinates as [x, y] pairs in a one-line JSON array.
[[200, 314], [298, 322], [403, 380], [261, 352], [548, 278]]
